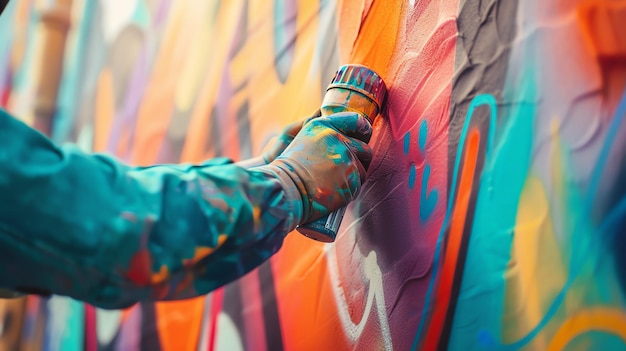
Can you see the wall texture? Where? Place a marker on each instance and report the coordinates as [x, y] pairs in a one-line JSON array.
[[494, 214]]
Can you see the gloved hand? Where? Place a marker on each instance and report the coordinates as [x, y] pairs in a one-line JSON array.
[[278, 144], [326, 162]]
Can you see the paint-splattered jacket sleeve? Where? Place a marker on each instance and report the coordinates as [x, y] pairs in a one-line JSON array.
[[90, 227]]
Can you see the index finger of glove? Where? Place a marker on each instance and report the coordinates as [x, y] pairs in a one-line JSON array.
[[294, 128]]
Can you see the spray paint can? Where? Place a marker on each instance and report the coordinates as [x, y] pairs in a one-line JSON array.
[[354, 88]]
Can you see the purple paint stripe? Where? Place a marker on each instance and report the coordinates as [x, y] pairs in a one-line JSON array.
[[127, 116], [129, 337], [162, 12], [167, 154]]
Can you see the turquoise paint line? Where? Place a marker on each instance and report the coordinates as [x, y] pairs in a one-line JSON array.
[[74, 333], [423, 135], [407, 142], [481, 299], [479, 100], [141, 16], [428, 199], [64, 330], [412, 175]]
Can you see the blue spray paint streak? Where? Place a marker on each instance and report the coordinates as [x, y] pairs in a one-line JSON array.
[[616, 124], [576, 267], [485, 99], [407, 142], [412, 175], [428, 200], [614, 218], [423, 135]]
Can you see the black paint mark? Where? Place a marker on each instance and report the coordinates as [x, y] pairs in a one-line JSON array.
[[7, 323], [214, 142], [3, 5], [149, 331], [271, 318], [233, 307]]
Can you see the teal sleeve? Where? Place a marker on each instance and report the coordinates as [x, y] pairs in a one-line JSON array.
[[92, 228]]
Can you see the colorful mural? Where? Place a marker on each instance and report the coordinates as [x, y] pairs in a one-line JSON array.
[[494, 211]]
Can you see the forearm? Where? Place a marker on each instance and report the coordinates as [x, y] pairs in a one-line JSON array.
[[95, 229]]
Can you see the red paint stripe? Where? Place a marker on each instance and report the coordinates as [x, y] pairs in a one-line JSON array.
[[4, 97], [446, 282], [91, 340], [216, 308], [5, 90]]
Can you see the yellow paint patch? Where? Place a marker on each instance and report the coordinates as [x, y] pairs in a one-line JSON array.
[[105, 110], [574, 296], [256, 214], [535, 274], [602, 319], [161, 276], [204, 251], [199, 57]]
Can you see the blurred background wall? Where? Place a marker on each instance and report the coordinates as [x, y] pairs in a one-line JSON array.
[[494, 213]]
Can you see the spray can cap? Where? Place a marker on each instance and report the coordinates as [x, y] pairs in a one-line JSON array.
[[362, 79]]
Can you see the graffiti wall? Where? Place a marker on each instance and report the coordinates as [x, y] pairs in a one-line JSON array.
[[494, 212]]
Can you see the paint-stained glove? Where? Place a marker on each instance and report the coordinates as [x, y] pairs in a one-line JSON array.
[[92, 228], [326, 162]]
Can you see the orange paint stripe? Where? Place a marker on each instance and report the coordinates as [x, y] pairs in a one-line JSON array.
[[377, 37], [105, 110], [454, 242], [179, 322]]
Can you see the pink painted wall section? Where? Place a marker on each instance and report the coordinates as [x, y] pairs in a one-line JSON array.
[[492, 216]]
